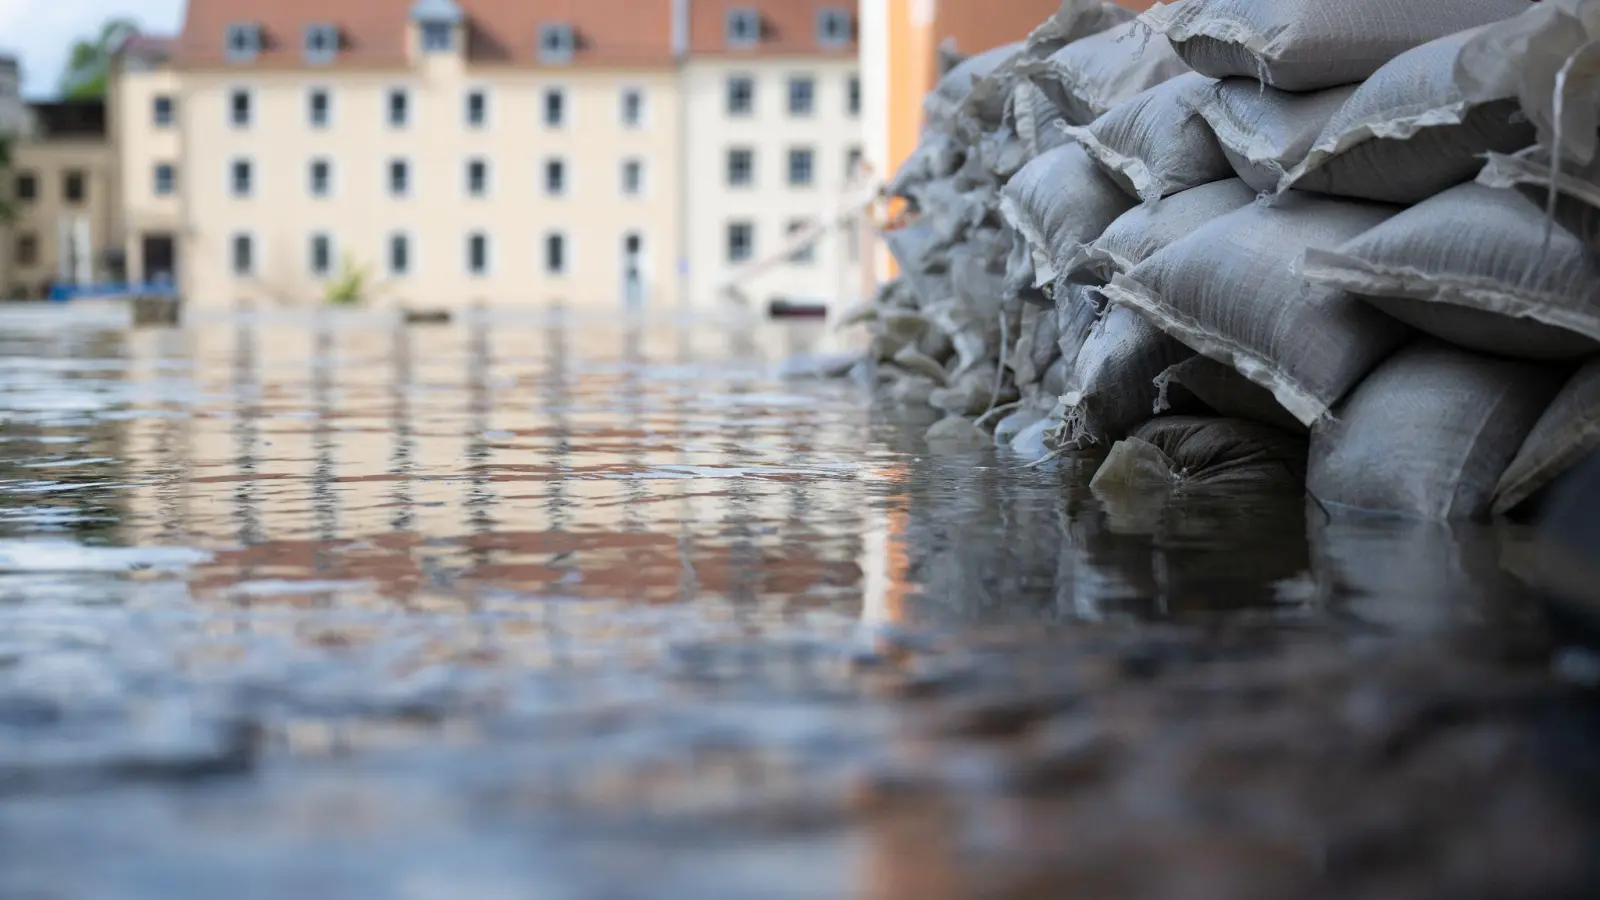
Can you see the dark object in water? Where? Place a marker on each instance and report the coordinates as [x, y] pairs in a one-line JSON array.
[[1564, 561], [783, 308], [427, 316], [155, 309]]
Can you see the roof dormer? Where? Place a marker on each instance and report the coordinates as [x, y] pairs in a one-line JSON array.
[[835, 27], [438, 25], [558, 43], [242, 42], [321, 43], [742, 27]]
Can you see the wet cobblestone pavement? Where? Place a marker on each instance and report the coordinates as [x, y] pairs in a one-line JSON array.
[[532, 607]]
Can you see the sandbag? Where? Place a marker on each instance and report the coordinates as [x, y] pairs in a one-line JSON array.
[[1469, 266], [1060, 202], [1020, 353], [1112, 388], [1034, 117], [1088, 77], [1203, 452], [1577, 189], [1429, 433], [1225, 392], [1147, 228], [1229, 290], [1076, 316], [943, 105], [1568, 432], [1264, 132], [936, 155], [1408, 133], [1154, 143], [1307, 45]]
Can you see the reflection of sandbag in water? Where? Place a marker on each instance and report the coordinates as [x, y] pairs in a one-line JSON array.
[[1567, 433], [1429, 433], [1154, 144]]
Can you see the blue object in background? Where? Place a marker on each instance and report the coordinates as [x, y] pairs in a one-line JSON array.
[[61, 293]]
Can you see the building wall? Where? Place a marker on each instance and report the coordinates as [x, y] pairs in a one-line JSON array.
[[771, 203], [438, 214], [141, 145], [49, 162]]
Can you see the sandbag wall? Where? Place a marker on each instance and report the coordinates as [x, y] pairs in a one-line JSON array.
[[1239, 243]]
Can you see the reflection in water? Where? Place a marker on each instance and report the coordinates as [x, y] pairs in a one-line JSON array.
[[530, 606]]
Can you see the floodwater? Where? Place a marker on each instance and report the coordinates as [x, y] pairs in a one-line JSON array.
[[533, 606]]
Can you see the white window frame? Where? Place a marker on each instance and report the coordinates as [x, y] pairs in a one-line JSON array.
[[852, 96], [255, 254], [451, 30], [172, 111], [748, 15], [728, 111], [388, 107], [388, 178], [310, 182], [788, 166], [488, 107], [241, 54], [566, 107], [311, 256], [326, 55], [311, 91], [788, 96], [488, 253], [834, 15], [622, 177], [567, 256], [411, 254], [643, 121], [564, 54], [466, 177], [566, 177], [227, 112], [727, 241], [155, 179], [727, 168], [228, 180]]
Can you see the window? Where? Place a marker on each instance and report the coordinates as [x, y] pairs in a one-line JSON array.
[[240, 178], [27, 249], [161, 111], [477, 108], [477, 177], [807, 253], [321, 43], [555, 177], [557, 42], [852, 164], [243, 42], [555, 253], [632, 177], [27, 187], [318, 108], [437, 37], [741, 95], [801, 166], [399, 108], [741, 167], [239, 108], [834, 28], [399, 178], [319, 257], [632, 108], [741, 241], [399, 254], [852, 95], [478, 253], [802, 95], [321, 177], [166, 179], [244, 254], [74, 186], [742, 27], [555, 108]]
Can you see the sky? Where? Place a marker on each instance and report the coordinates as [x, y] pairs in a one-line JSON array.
[[40, 32]]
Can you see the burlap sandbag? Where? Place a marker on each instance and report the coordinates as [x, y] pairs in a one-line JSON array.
[[1155, 143], [1307, 45], [1409, 133], [1147, 228], [1568, 432], [1265, 132], [1429, 433], [1059, 203], [1230, 291], [1088, 77], [1471, 266]]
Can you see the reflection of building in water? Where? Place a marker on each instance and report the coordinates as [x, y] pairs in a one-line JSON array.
[[550, 458]]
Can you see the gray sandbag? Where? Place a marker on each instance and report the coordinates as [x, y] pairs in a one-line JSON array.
[[1088, 77], [1265, 132], [1020, 353], [1471, 266], [1409, 133], [972, 392], [1020, 283], [937, 155], [1147, 228], [1155, 143], [1057, 379], [1016, 422], [954, 434], [1577, 189], [1113, 382], [942, 106], [1077, 314], [1564, 436], [1307, 45], [1060, 202], [1034, 117], [1429, 433], [1225, 392], [1230, 291], [1203, 452]]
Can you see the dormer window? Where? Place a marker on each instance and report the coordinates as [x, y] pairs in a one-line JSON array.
[[743, 27], [437, 37], [557, 43], [321, 43], [438, 22], [834, 27], [243, 41]]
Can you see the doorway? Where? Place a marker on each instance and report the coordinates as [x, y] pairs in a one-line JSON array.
[[633, 289], [158, 258]]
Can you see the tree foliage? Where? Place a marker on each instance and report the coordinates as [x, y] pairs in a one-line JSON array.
[[89, 63]]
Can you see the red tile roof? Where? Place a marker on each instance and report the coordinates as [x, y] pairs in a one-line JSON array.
[[373, 32], [788, 27]]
